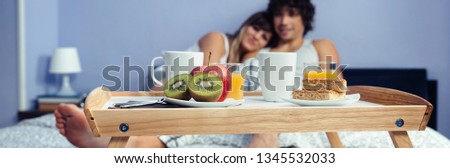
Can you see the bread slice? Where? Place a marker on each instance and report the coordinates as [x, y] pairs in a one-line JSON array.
[[338, 85], [317, 95]]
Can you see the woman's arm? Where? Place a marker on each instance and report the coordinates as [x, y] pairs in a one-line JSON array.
[[325, 48], [212, 42], [249, 55]]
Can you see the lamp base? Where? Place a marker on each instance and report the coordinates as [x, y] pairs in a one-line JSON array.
[[66, 89]]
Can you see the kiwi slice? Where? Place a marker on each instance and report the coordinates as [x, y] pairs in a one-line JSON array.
[[177, 87], [205, 87]]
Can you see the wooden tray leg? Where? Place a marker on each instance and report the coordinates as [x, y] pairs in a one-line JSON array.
[[400, 139], [118, 142], [335, 142]]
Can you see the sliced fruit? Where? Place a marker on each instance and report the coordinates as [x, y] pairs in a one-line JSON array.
[[224, 75], [198, 69], [221, 71], [206, 87], [177, 87]]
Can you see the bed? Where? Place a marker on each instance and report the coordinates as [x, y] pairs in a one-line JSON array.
[[41, 133]]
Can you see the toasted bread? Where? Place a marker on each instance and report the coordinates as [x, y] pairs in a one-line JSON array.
[[317, 95], [338, 85]]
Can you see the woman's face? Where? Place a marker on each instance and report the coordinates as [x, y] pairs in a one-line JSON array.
[[254, 38]]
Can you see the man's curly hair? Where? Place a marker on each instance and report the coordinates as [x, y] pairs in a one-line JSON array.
[[305, 7]]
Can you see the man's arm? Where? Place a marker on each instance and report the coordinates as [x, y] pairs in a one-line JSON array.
[[325, 48]]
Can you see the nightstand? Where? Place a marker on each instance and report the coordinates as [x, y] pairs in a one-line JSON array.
[[31, 114]]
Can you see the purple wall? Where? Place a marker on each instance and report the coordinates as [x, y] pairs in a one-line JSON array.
[[41, 40], [8, 64], [106, 32], [373, 34]]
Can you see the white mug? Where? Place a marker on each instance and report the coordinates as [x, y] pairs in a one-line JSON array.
[[178, 62], [277, 74]]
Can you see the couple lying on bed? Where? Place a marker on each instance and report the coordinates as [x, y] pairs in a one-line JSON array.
[[284, 25]]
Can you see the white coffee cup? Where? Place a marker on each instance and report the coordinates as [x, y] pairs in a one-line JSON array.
[[277, 74], [177, 62]]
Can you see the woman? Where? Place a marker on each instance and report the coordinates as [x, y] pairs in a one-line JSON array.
[[253, 35]]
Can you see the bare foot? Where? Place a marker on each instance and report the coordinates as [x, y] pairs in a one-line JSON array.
[[269, 140], [72, 123]]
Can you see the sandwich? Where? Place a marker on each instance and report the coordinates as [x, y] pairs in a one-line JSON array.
[[317, 95], [321, 89], [339, 85]]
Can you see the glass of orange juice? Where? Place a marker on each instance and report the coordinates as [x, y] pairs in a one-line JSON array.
[[320, 70], [236, 90]]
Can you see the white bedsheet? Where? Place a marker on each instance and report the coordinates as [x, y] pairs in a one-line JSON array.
[[38, 132]]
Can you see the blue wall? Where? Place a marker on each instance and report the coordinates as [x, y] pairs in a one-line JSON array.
[[106, 32], [373, 34], [8, 69], [41, 39]]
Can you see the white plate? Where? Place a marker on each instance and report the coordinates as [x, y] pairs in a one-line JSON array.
[[347, 100], [192, 103]]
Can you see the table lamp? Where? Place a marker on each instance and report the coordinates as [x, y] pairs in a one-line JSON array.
[[65, 61]]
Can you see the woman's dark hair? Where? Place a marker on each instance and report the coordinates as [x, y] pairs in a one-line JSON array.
[[305, 7], [260, 20]]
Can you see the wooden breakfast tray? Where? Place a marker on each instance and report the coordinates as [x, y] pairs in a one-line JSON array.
[[379, 109]]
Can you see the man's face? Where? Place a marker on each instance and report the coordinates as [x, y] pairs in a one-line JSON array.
[[288, 23]]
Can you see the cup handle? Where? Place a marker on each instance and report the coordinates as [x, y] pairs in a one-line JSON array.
[[252, 77], [153, 72]]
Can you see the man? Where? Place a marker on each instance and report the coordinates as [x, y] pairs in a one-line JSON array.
[[292, 20]]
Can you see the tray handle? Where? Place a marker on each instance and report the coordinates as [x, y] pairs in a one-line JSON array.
[[94, 101], [388, 96]]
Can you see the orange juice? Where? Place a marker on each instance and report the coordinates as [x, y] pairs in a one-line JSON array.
[[236, 91], [320, 75]]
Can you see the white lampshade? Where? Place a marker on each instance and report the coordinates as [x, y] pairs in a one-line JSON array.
[[65, 61]]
